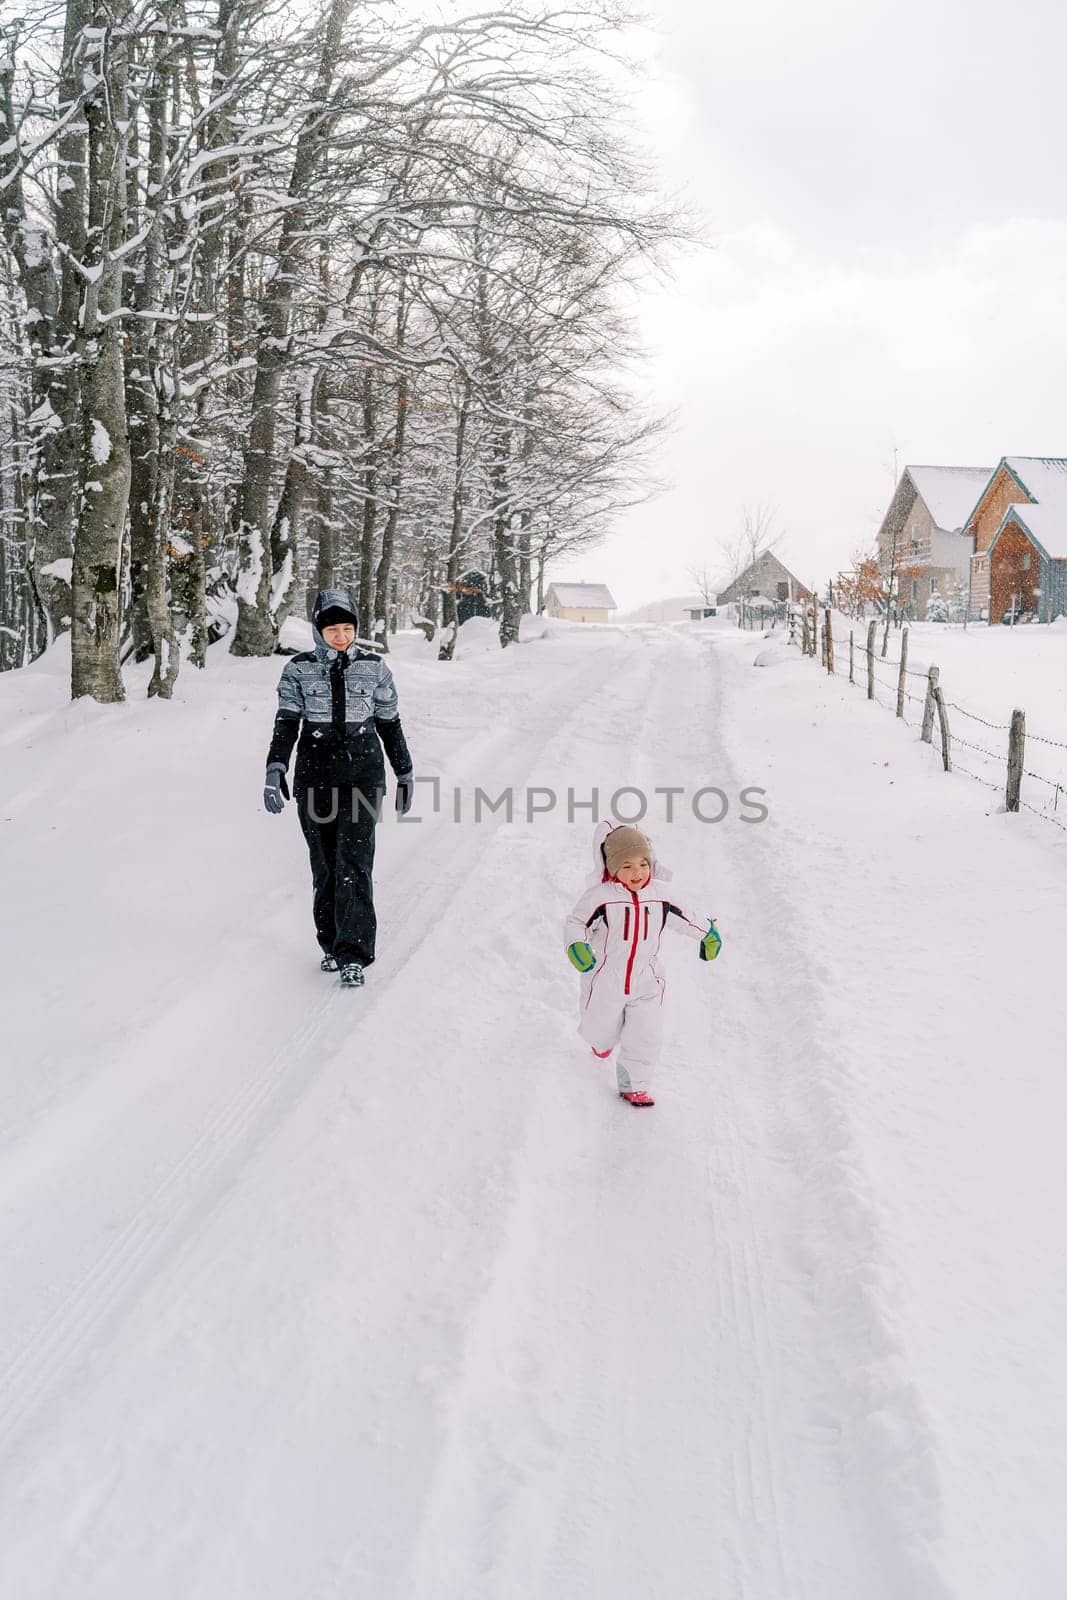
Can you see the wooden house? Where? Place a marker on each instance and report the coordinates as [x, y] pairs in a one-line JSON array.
[[1019, 532], [922, 539], [579, 602], [765, 579]]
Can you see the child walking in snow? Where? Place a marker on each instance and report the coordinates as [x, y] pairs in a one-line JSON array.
[[612, 938]]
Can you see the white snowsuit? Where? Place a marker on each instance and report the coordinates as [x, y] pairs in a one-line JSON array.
[[621, 1001]]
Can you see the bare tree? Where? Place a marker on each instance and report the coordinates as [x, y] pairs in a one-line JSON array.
[[293, 297], [756, 535], [706, 585], [104, 476]]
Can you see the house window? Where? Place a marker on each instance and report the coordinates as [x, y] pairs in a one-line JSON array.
[[1026, 561], [915, 588]]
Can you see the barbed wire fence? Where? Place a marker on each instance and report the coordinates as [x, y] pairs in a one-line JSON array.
[[893, 686]]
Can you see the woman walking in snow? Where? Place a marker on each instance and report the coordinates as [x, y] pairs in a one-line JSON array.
[[612, 937], [342, 702]]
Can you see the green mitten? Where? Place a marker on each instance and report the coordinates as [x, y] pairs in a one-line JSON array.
[[711, 943], [581, 956]]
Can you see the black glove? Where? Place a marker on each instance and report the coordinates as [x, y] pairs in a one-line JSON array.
[[274, 788], [405, 793]]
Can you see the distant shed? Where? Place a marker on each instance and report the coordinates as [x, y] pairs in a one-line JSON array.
[[580, 602]]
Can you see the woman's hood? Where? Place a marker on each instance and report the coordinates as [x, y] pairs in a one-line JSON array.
[[323, 601]]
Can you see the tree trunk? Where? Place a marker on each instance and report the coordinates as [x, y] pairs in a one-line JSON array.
[[285, 530], [256, 634], [105, 457], [429, 599], [160, 616], [503, 542], [383, 576], [142, 385], [450, 619], [326, 566], [367, 620], [525, 570], [195, 510], [188, 583], [52, 320], [326, 554]]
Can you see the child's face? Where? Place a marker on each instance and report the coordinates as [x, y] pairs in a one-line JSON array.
[[634, 872], [339, 635]]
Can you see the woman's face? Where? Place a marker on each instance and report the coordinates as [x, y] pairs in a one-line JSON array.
[[339, 635]]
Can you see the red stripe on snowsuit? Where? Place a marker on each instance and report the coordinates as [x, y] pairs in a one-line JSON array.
[[637, 935]]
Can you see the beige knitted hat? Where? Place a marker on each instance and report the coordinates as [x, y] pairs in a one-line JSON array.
[[622, 842]]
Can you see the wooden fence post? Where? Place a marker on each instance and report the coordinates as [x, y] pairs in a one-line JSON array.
[[871, 629], [928, 709], [903, 672], [1016, 752], [942, 717], [829, 642], [851, 655]]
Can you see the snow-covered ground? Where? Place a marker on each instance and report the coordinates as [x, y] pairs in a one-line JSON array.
[[315, 1295], [986, 673]]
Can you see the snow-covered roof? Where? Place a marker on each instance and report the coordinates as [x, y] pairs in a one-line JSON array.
[[949, 493], [1045, 523], [1044, 478], [583, 594]]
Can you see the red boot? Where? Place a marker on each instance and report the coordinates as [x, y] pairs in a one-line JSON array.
[[601, 1055], [636, 1097]]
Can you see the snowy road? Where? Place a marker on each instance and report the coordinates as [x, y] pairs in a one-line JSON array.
[[313, 1295]]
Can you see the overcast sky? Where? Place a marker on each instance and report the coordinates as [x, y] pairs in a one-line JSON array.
[[883, 185]]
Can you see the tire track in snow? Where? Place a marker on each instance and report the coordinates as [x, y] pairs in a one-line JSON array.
[[471, 1498], [498, 1503], [831, 1241], [715, 1281], [533, 1490], [195, 1184]]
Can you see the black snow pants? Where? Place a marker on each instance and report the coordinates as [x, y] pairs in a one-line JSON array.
[[342, 862]]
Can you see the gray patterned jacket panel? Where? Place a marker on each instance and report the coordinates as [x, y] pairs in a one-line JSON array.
[[304, 689]]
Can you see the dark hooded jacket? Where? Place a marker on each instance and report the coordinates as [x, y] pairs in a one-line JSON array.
[[343, 705]]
